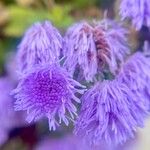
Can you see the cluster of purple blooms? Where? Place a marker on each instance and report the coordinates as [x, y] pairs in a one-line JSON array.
[[91, 64]]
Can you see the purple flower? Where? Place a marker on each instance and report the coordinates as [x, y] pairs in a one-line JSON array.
[[135, 73], [94, 48], [80, 49], [41, 43], [109, 113], [47, 91], [136, 10]]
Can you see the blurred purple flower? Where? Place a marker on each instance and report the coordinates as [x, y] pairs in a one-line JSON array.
[[93, 48], [136, 10], [9, 119], [65, 143], [41, 43], [146, 48], [68, 142], [11, 66], [3, 136], [109, 113], [135, 73], [80, 49], [47, 91]]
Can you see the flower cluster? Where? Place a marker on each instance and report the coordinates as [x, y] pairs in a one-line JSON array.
[[136, 10], [51, 66]]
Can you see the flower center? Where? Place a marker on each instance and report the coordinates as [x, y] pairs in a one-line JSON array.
[[47, 92]]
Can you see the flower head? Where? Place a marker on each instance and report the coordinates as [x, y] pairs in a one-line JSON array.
[[41, 43], [80, 49], [135, 73], [93, 48], [47, 91], [136, 10], [109, 113]]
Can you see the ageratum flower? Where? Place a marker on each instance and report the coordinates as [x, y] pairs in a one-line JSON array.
[[136, 10], [80, 49], [135, 73], [47, 91], [93, 48], [109, 113], [41, 43]]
